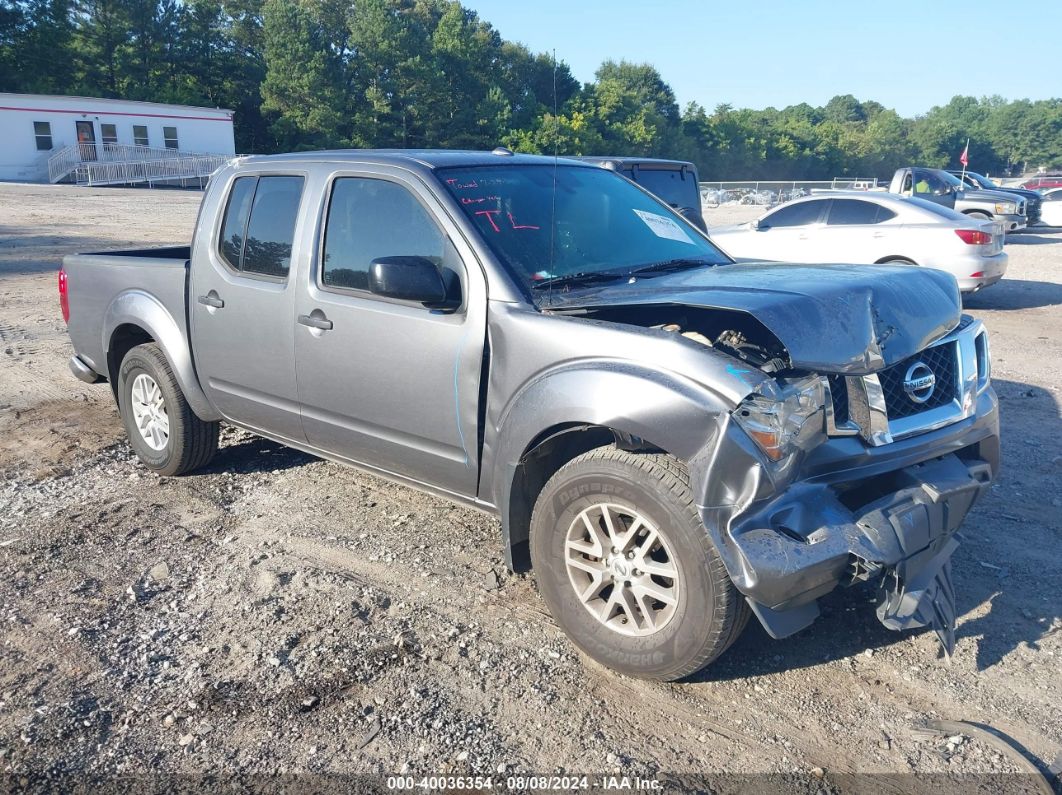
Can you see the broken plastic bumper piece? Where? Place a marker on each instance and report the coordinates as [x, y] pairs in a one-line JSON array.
[[904, 540]]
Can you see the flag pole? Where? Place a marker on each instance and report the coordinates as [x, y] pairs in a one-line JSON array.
[[965, 159]]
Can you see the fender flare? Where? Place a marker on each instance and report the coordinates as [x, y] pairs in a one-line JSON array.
[[141, 309]]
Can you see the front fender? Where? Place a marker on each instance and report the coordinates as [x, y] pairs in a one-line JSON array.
[[141, 309], [666, 410]]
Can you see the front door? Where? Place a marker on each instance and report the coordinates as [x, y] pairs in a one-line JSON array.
[[928, 185], [391, 384], [785, 235], [242, 305], [86, 139]]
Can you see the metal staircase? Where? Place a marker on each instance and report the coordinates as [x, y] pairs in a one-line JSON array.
[[122, 164]]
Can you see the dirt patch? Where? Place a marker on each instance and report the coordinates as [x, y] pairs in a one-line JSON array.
[[279, 614]]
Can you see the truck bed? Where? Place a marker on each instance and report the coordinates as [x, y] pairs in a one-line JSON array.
[[101, 287]]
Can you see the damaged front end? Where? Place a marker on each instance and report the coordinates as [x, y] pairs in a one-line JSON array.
[[867, 429], [821, 481]]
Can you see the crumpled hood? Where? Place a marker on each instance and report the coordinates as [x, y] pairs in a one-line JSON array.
[[830, 318]]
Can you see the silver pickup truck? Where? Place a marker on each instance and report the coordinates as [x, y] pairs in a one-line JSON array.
[[939, 186], [671, 440]]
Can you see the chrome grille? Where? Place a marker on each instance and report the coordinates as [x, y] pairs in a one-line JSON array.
[[940, 359], [839, 398]]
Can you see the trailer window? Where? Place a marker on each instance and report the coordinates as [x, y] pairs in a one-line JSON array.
[[169, 135], [140, 135], [109, 133], [42, 131]]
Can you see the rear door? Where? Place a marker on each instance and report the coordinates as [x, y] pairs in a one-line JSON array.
[[242, 304], [857, 231], [391, 384]]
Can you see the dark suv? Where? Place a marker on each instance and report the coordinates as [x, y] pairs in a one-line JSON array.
[[674, 181]]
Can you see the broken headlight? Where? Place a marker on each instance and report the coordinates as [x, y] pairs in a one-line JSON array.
[[784, 416]]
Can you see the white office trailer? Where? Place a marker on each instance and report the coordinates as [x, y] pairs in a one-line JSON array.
[[96, 141]]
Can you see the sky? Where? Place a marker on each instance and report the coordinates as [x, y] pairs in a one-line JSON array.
[[908, 55]]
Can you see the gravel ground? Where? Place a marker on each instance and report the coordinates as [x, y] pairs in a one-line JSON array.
[[278, 614]]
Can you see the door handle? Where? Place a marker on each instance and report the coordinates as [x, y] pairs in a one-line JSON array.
[[316, 321], [211, 299]]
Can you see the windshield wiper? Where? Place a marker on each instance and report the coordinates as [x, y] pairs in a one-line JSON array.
[[575, 279], [668, 265]]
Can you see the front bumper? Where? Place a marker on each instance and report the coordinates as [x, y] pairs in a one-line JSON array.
[[855, 513], [1012, 223]]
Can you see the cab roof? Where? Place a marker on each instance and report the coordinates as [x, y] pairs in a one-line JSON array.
[[423, 158]]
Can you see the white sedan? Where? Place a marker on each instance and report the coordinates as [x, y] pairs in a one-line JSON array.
[[1051, 209], [859, 227]]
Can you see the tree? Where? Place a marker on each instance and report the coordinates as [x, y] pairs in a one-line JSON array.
[[301, 85]]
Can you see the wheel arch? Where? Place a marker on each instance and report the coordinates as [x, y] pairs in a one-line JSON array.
[[136, 317]]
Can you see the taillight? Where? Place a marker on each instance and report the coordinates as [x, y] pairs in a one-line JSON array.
[[64, 297], [974, 237]]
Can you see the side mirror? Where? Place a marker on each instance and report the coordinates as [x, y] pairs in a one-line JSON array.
[[759, 227], [407, 279]]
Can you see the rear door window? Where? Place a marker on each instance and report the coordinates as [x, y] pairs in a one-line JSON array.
[[258, 230], [799, 214], [848, 212]]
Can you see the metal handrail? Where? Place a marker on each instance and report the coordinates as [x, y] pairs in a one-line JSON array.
[[150, 171], [71, 158]]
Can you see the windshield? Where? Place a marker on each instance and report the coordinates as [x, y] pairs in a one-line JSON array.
[[951, 179], [677, 188], [605, 226]]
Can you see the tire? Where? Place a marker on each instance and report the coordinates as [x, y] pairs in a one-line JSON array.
[[980, 215], [898, 261], [706, 613], [188, 442]]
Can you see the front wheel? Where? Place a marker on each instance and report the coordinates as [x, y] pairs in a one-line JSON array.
[[163, 431], [628, 570], [980, 215]]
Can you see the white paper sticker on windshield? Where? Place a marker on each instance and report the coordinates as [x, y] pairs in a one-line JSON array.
[[663, 226]]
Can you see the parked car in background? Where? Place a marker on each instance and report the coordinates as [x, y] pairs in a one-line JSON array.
[[674, 181], [1052, 207], [673, 441], [1044, 182], [873, 228], [940, 187], [980, 182]]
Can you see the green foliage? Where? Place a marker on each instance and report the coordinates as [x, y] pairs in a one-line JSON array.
[[304, 74]]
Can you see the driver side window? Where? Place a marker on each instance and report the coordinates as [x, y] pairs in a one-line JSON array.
[[370, 218]]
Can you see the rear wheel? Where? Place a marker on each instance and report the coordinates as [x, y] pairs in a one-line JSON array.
[[627, 568], [163, 431]]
